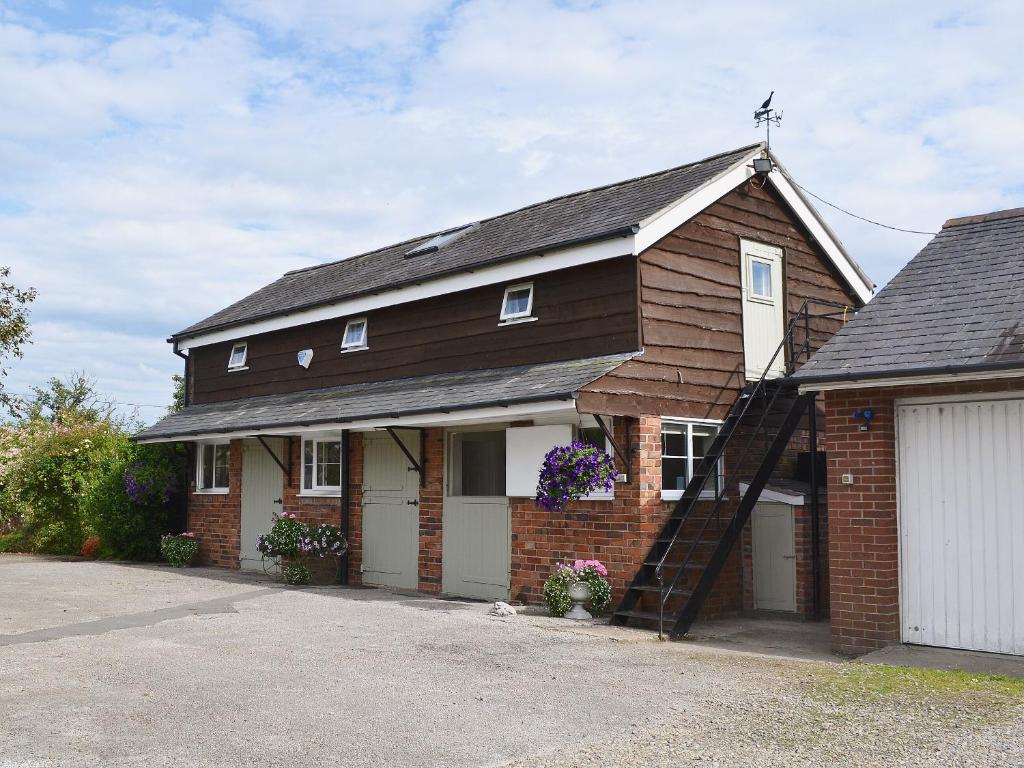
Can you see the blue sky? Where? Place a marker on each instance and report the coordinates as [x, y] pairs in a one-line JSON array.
[[160, 161]]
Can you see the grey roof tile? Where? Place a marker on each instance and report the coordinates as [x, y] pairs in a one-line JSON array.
[[387, 399], [579, 217], [958, 304]]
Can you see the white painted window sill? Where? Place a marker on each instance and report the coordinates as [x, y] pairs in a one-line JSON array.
[[212, 492], [346, 350], [238, 368], [516, 321], [320, 495], [677, 495]]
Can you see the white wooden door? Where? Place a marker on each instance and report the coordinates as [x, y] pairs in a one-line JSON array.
[[262, 491], [763, 308], [961, 524], [391, 520], [774, 558], [476, 525]]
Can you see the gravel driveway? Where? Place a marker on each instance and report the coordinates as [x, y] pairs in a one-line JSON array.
[[113, 665]]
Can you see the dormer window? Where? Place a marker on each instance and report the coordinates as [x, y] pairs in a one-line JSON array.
[[517, 305], [236, 361], [355, 335]]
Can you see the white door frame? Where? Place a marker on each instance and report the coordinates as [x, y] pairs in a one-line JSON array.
[[786, 603], [754, 329]]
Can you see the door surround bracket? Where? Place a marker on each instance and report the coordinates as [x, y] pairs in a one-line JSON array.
[[416, 465], [277, 460], [615, 446]]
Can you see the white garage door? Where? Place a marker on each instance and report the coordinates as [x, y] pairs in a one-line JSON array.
[[961, 518]]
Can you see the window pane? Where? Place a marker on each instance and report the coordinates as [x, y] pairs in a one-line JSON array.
[[206, 466], [328, 466], [673, 474], [220, 466], [354, 334], [307, 464], [593, 436], [702, 439], [237, 356], [673, 441], [478, 464], [518, 302], [761, 278]]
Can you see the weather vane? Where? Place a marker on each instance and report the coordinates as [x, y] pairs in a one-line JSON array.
[[765, 115]]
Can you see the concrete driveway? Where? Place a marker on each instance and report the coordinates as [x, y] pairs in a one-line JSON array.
[[104, 664]]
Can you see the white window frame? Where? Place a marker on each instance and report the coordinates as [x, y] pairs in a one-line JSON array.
[[770, 255], [673, 494], [601, 494], [200, 450], [314, 489], [507, 318], [240, 366], [347, 346]]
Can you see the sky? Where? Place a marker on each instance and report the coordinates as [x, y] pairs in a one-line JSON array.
[[159, 161]]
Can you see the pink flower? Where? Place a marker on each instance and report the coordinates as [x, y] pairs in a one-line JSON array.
[[189, 534]]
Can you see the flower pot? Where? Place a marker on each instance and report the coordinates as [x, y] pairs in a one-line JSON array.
[[579, 593]]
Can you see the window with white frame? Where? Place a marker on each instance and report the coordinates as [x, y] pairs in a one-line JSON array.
[[517, 304], [236, 360], [212, 467], [321, 465], [761, 279], [683, 445], [595, 436], [355, 335]]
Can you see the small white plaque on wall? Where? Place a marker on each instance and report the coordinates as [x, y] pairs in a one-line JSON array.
[[524, 453]]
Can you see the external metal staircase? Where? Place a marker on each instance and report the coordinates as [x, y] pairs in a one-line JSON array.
[[688, 556]]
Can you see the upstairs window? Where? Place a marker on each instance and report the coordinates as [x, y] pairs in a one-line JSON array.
[[212, 467], [236, 361], [760, 279], [321, 465], [355, 335], [517, 304], [683, 445]]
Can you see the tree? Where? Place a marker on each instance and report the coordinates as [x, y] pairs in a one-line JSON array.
[[73, 399], [14, 330], [178, 397]]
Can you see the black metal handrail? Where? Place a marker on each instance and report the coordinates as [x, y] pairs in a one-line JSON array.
[[794, 352]]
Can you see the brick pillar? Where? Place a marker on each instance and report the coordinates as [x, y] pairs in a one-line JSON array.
[[431, 508], [863, 548], [355, 509]]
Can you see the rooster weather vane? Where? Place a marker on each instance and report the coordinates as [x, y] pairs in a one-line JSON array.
[[766, 116]]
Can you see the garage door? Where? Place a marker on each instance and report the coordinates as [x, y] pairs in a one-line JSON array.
[[961, 518]]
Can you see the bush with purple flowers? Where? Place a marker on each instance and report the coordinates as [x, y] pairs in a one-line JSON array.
[[570, 472], [298, 543]]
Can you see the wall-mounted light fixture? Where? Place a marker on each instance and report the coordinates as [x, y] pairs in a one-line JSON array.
[[865, 415], [762, 166]]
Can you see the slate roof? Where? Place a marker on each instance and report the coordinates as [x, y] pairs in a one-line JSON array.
[[387, 400], [957, 306], [585, 216]]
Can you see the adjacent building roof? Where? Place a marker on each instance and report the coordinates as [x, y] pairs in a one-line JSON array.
[[385, 401], [957, 307], [576, 218]]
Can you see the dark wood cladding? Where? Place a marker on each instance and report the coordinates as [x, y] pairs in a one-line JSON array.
[[581, 312], [691, 307]]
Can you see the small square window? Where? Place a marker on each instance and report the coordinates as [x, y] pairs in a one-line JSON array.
[[236, 360], [355, 335], [683, 446], [518, 302], [760, 279], [321, 465]]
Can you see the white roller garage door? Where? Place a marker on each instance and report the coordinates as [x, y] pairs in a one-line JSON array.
[[961, 521]]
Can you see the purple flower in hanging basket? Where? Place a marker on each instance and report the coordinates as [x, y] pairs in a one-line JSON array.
[[570, 472]]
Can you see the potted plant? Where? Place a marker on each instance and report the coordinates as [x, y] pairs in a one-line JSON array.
[[299, 550], [179, 549], [570, 472], [570, 587]]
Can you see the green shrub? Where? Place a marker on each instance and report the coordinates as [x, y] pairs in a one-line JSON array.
[[179, 550], [593, 572], [297, 574], [128, 499]]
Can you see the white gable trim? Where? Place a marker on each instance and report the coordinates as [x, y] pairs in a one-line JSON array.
[[655, 227], [510, 272]]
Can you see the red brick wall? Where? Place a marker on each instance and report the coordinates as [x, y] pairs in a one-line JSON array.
[[215, 518], [863, 549], [431, 506]]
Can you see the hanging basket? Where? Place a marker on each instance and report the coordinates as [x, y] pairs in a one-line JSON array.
[[570, 472]]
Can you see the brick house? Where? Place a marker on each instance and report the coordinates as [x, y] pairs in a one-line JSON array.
[[924, 402], [409, 394]]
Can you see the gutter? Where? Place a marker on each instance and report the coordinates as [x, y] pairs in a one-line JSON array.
[[959, 371]]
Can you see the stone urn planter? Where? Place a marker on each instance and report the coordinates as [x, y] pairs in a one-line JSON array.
[[580, 594]]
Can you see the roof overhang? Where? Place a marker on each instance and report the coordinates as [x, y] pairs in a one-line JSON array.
[[657, 226], [896, 378], [542, 410]]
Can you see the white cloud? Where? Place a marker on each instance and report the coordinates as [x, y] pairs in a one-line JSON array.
[[159, 166]]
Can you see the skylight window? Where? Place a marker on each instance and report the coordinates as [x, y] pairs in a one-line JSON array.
[[517, 305], [355, 335], [236, 361], [439, 241]]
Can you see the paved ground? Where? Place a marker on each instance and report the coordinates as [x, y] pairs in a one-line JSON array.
[[113, 665]]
